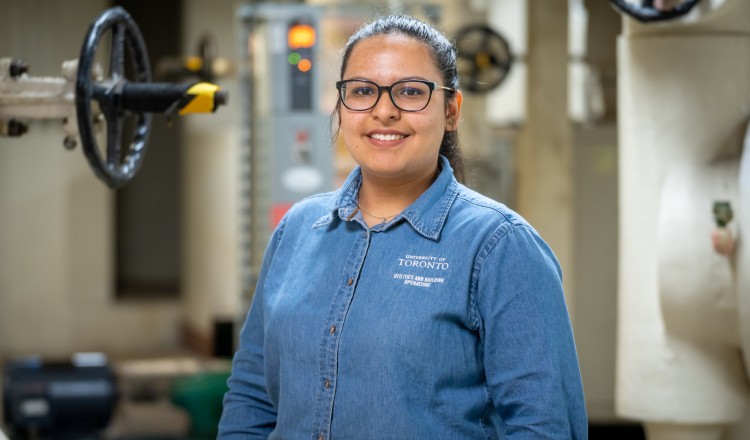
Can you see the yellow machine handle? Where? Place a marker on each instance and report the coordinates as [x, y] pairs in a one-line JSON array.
[[170, 98], [205, 98]]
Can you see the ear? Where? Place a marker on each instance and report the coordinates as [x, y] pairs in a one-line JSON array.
[[453, 111]]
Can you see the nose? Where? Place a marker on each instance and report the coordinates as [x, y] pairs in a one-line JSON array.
[[385, 109]]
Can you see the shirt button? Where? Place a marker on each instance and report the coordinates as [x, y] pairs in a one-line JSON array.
[[349, 282], [333, 329], [328, 383]]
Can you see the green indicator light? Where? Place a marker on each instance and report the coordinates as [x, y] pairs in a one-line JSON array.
[[294, 58]]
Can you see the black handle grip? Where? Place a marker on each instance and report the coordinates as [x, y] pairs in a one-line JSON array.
[[154, 97]]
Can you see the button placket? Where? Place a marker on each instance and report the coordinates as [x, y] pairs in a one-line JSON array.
[[330, 346]]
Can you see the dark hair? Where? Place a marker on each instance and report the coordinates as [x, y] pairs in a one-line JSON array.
[[444, 55]]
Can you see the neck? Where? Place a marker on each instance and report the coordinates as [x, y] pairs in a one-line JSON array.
[[385, 199]]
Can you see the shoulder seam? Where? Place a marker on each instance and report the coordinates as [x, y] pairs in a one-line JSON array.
[[488, 206], [500, 232]]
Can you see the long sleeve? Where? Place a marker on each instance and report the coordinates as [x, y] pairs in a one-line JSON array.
[[248, 411], [530, 358]]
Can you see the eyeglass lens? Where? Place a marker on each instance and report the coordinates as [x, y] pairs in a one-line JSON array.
[[406, 95]]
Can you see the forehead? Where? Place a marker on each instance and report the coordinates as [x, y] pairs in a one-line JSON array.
[[390, 58]]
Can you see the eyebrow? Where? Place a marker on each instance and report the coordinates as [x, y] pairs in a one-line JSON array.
[[408, 78]]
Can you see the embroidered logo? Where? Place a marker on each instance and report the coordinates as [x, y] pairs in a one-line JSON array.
[[421, 262]]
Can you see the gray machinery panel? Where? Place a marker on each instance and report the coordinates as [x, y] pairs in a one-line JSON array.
[[288, 153]]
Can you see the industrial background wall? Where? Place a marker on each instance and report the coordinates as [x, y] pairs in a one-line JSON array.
[[60, 260]]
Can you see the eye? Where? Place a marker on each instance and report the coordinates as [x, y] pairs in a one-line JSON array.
[[411, 90], [363, 90]]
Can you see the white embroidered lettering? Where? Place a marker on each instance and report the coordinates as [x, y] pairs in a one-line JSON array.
[[421, 262], [416, 283]]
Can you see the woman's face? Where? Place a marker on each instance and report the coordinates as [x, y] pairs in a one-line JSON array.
[[386, 142]]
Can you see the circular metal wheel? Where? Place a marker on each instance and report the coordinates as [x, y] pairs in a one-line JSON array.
[[117, 166], [484, 58], [646, 13]]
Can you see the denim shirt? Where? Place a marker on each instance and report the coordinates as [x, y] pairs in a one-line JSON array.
[[448, 322]]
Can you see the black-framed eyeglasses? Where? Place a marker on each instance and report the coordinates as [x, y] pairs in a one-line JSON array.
[[409, 95]]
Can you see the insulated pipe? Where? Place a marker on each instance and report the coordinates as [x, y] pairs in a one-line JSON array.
[[683, 330]]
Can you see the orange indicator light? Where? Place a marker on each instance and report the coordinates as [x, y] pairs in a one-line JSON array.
[[301, 36], [304, 65]]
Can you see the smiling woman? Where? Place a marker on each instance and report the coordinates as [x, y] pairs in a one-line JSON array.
[[405, 305], [393, 145]]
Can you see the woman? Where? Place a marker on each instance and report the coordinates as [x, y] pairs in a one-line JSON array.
[[404, 305]]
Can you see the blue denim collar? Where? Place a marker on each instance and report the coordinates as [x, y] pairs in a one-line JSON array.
[[426, 215]]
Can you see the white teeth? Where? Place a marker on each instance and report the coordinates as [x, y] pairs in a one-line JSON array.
[[387, 137]]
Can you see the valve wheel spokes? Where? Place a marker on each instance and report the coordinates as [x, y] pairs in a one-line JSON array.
[[117, 167], [484, 58]]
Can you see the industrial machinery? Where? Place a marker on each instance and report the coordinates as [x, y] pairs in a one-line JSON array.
[[71, 399], [287, 144], [645, 12], [86, 98], [484, 58]]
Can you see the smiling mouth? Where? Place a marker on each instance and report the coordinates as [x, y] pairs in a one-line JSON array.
[[387, 137]]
